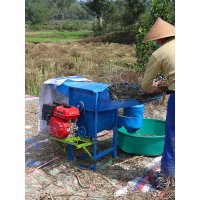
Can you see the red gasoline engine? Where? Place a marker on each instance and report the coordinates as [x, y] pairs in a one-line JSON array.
[[61, 118]]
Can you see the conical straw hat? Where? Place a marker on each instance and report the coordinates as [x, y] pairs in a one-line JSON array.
[[160, 29]]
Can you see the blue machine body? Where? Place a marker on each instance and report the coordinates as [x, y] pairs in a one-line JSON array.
[[97, 105], [99, 112], [132, 118]]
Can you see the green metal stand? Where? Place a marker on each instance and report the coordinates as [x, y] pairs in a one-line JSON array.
[[75, 141]]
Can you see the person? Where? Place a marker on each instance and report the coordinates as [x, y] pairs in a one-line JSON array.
[[163, 60]]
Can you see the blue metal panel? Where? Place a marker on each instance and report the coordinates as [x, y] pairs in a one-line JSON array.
[[132, 119], [89, 86], [134, 111], [87, 97], [70, 152], [63, 90], [106, 121], [95, 131], [114, 141]]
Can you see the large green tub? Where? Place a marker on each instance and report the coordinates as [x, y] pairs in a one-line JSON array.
[[139, 142]]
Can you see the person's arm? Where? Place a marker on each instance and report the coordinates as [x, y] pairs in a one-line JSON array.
[[151, 71]]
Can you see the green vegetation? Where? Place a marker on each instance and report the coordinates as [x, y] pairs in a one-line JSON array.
[[157, 8], [98, 8], [60, 25], [119, 18], [37, 37], [60, 15], [43, 11], [77, 12]]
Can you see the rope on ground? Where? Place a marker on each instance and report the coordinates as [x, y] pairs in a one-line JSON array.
[[41, 167], [79, 182]]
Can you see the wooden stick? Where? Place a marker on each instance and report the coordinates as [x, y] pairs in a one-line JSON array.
[[83, 186]]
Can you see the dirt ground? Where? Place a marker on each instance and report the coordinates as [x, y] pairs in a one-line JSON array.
[[55, 178]]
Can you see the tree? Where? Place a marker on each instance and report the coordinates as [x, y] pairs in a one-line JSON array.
[[99, 7], [133, 8], [113, 16], [121, 19], [37, 11], [156, 8], [76, 11], [60, 5]]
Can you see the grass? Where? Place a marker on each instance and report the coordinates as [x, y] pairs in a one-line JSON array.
[[62, 25], [37, 37], [100, 62]]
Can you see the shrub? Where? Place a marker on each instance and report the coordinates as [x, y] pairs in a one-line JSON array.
[[157, 8], [124, 36], [64, 25], [76, 26]]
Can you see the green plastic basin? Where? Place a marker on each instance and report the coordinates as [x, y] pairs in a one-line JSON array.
[[149, 140]]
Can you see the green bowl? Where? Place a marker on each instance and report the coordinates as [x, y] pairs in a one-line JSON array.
[[149, 140]]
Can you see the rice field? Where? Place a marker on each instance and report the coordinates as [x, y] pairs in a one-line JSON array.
[[55, 36], [102, 62]]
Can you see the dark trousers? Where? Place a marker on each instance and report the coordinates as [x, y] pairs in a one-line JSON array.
[[168, 157]]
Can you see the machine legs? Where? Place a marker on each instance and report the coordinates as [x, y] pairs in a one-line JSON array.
[[114, 152], [95, 155], [94, 166], [70, 152]]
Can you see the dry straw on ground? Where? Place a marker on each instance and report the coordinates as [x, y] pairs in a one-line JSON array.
[[97, 61], [111, 174]]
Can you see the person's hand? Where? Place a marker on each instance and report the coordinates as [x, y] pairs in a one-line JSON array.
[[157, 83], [161, 85]]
